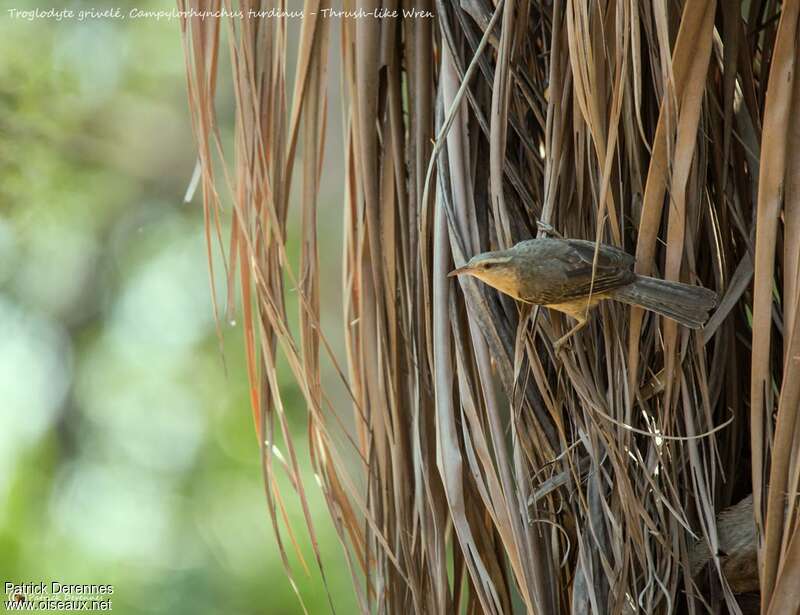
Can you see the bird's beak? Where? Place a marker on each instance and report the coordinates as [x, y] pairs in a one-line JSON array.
[[459, 271]]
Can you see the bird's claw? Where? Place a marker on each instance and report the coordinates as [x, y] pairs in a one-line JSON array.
[[548, 228]]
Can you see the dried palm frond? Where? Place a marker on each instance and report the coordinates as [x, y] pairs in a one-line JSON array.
[[483, 473]]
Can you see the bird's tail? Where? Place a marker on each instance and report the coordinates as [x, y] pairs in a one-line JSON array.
[[689, 305]]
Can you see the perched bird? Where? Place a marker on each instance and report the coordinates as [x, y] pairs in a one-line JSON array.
[[737, 545], [562, 274]]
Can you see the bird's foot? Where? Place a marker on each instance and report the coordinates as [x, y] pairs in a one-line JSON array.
[[549, 228]]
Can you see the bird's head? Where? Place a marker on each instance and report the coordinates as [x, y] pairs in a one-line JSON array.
[[498, 269]]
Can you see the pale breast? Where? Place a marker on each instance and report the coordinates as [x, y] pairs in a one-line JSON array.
[[578, 308]]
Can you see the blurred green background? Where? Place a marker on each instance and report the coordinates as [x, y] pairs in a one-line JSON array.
[[127, 451]]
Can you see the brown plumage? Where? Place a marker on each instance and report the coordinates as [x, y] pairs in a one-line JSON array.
[[563, 274], [738, 548]]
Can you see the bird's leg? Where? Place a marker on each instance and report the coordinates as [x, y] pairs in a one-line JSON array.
[[560, 342]]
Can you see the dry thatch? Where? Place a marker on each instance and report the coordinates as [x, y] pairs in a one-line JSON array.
[[484, 474]]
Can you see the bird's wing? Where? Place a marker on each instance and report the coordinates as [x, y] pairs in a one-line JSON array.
[[607, 256], [566, 269]]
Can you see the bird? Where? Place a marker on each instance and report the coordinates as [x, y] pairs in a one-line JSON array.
[[563, 275]]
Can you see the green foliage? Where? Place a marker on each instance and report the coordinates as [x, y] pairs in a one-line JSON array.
[[127, 455]]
